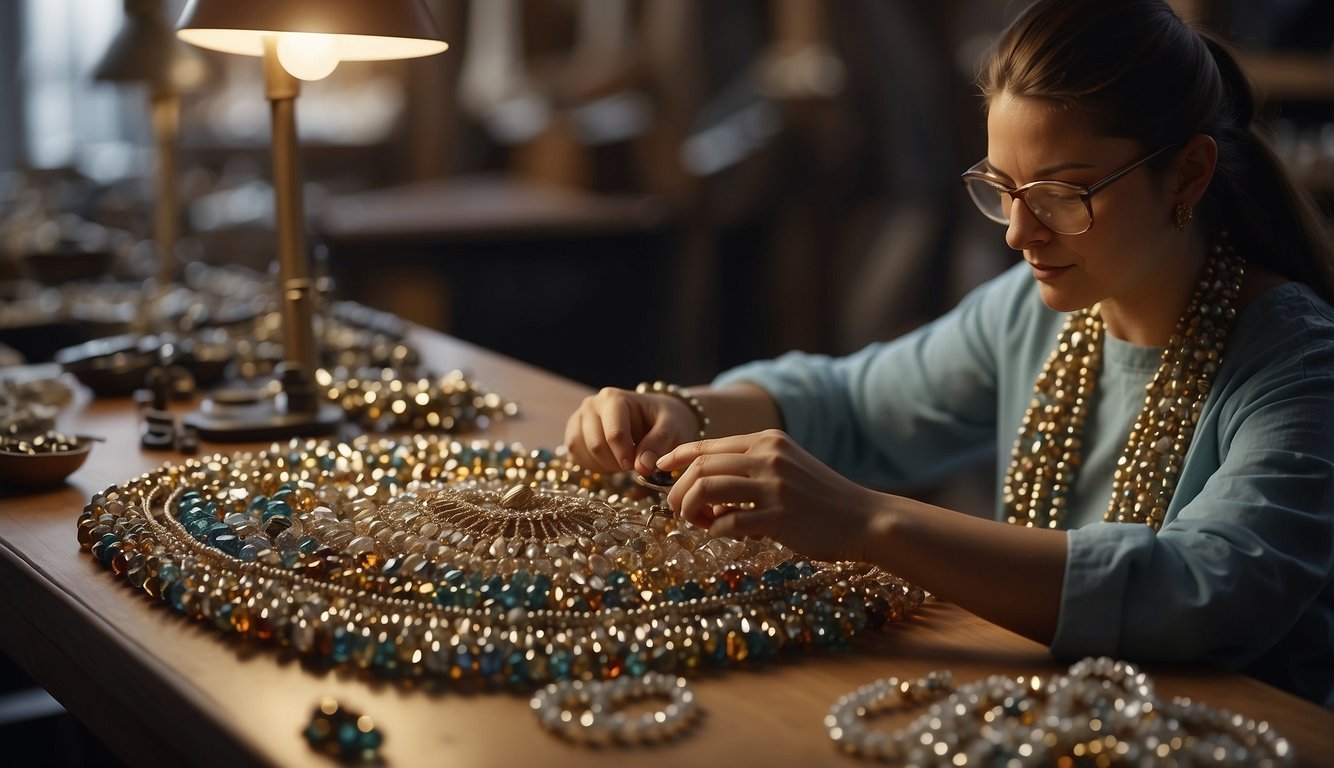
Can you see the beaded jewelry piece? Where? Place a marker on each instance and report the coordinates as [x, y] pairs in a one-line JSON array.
[[586, 712], [387, 401], [480, 565], [343, 734], [1102, 712], [1048, 451], [663, 388]]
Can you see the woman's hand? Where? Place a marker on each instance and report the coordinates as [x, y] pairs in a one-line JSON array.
[[764, 484], [620, 430]]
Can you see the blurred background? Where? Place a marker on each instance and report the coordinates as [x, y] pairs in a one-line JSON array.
[[611, 189], [615, 190]]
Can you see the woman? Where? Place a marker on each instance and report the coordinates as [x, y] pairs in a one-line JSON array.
[[1157, 376]]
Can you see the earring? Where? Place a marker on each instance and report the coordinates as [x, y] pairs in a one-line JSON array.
[[1183, 216]]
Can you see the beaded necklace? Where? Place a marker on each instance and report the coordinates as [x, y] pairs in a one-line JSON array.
[[469, 565], [1049, 449]]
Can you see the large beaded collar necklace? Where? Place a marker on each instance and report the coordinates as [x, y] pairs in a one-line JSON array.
[[468, 565], [1048, 451]]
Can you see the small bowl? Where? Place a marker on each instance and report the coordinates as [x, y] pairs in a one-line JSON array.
[[40, 470]]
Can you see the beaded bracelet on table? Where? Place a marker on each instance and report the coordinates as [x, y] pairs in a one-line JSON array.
[[1102, 712], [471, 565]]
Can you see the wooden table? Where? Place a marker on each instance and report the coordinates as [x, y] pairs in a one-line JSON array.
[[162, 690]]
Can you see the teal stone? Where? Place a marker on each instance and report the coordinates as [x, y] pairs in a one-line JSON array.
[[370, 740], [349, 738], [258, 504], [175, 595], [340, 645], [757, 644], [276, 507], [748, 583], [560, 665], [691, 589], [217, 529], [516, 669], [772, 578], [223, 618], [538, 593], [490, 662], [198, 528], [634, 664], [383, 656], [307, 545]]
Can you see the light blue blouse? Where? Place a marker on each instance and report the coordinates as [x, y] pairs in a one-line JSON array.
[[1240, 573]]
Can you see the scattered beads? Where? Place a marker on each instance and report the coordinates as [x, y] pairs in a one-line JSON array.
[[1102, 712], [471, 565], [589, 712], [343, 734]]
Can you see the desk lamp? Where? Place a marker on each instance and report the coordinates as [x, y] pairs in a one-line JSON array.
[[302, 39], [146, 51]]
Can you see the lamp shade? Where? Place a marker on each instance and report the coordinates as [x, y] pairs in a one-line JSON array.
[[367, 30], [145, 50]]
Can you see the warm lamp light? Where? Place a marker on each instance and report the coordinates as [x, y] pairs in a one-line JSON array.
[[308, 56], [297, 39]]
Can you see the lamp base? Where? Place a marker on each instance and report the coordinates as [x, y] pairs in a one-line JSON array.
[[264, 419]]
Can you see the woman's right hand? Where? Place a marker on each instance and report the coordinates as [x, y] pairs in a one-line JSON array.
[[621, 430]]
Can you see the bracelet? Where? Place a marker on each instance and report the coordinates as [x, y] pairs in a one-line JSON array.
[[663, 388]]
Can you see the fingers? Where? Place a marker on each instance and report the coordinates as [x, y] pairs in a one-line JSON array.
[[599, 435], [686, 453], [713, 480]]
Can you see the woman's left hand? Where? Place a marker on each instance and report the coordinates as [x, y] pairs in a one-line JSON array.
[[764, 484]]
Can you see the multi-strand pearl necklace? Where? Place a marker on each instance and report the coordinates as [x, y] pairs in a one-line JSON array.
[[1101, 712], [1049, 449]]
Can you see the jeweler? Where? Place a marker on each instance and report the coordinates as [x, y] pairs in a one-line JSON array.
[[1156, 376]]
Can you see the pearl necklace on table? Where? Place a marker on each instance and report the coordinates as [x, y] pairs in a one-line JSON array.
[[1049, 449], [1102, 712]]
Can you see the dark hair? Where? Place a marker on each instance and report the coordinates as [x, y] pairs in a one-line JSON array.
[[1133, 69]]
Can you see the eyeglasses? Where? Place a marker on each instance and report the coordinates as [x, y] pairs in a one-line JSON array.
[[1061, 207]]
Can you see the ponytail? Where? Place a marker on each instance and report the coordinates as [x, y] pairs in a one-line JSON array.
[[1272, 219]]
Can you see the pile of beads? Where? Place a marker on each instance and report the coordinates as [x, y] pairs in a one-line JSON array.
[[477, 565], [589, 712], [1102, 712]]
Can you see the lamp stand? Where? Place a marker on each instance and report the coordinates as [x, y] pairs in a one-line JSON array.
[[299, 409], [166, 116]]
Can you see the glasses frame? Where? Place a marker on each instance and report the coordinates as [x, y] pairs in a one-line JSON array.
[[1085, 193]]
